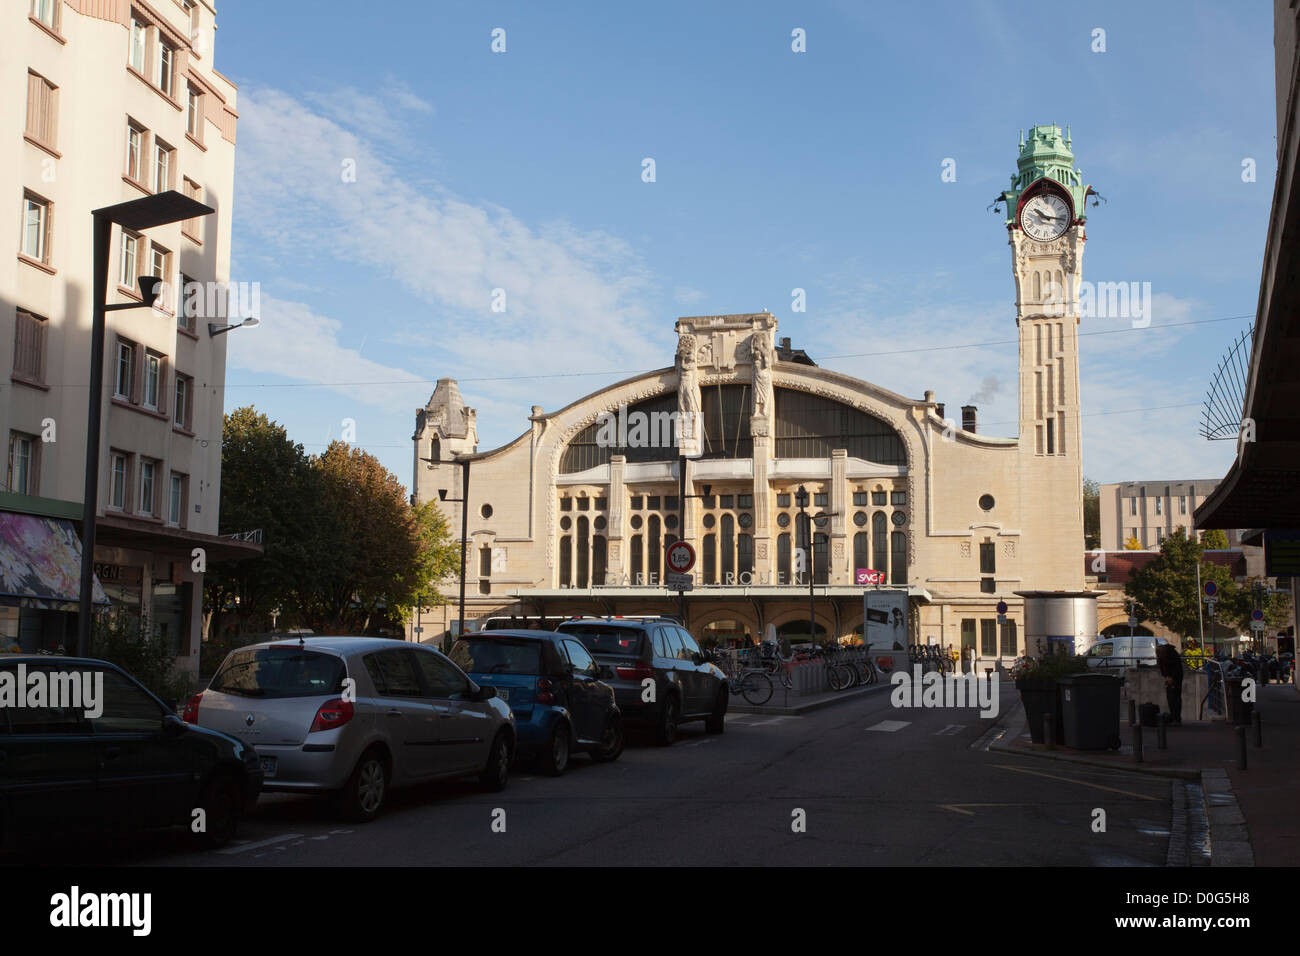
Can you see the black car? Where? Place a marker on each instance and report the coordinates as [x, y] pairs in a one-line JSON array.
[[659, 674], [116, 758], [554, 690]]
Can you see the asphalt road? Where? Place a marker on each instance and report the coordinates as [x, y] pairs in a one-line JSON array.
[[876, 786]]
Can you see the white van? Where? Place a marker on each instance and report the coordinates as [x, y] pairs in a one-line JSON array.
[[1125, 652]]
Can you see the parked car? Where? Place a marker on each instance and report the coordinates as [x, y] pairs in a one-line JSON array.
[[631, 651], [1124, 651], [354, 717], [553, 687], [127, 762]]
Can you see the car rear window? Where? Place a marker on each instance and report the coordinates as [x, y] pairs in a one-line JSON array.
[[607, 639], [280, 672], [496, 655]]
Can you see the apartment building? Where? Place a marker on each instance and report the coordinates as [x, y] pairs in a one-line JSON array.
[[1150, 511], [104, 101]]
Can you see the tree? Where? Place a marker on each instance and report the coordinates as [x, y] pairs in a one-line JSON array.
[[1091, 514], [267, 484], [1165, 590], [1214, 540], [385, 555], [1132, 544], [1238, 608]]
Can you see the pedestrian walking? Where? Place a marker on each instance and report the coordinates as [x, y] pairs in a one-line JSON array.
[[1171, 668]]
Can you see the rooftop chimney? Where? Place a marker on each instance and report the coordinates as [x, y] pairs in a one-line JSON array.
[[968, 418], [785, 343]]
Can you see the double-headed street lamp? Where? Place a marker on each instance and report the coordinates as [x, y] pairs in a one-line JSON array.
[[136, 215], [801, 499]]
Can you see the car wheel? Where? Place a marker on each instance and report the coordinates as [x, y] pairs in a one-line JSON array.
[[496, 774], [554, 760], [667, 732], [221, 805], [611, 741], [717, 720], [367, 789]]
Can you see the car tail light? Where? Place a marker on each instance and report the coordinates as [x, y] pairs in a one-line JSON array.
[[190, 712], [544, 695], [332, 713], [638, 672]]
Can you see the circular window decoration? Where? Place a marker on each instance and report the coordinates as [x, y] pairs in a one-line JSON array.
[[899, 518], [986, 502], [486, 511], [599, 522], [566, 523], [670, 521], [783, 519], [636, 521], [860, 519], [746, 520], [709, 521]]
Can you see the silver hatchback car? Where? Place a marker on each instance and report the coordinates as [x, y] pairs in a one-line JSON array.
[[356, 716]]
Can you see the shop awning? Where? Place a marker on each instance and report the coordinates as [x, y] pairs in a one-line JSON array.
[[40, 560]]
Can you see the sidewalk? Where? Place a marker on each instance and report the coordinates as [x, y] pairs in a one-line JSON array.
[[1250, 809], [786, 704]]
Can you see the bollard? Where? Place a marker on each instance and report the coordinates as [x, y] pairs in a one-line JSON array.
[[1162, 734], [1137, 743], [1132, 712], [1241, 745], [1049, 730], [1259, 728]]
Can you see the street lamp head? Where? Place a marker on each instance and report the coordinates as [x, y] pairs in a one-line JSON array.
[[442, 494], [707, 489], [251, 321], [149, 286], [801, 497]]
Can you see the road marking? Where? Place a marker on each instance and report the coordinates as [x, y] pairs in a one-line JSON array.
[[261, 843], [957, 807], [770, 720], [700, 743], [890, 726], [949, 730], [1082, 783]]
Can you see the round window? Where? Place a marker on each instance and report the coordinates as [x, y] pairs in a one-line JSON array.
[[599, 522], [709, 521], [860, 519], [566, 523], [636, 521], [670, 521], [746, 520], [486, 511], [986, 502], [783, 519], [899, 518]]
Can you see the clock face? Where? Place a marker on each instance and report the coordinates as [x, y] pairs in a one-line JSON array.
[[1045, 217]]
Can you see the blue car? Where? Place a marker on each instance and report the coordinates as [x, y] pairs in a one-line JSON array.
[[553, 686]]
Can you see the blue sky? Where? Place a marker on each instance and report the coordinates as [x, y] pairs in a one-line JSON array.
[[775, 170]]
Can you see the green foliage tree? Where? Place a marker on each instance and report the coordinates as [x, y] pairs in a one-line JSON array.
[[1214, 540], [123, 639], [1091, 514], [267, 483], [1237, 609], [1165, 590], [437, 558], [1132, 544]]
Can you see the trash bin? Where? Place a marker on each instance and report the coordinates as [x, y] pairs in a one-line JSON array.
[[1239, 711], [1090, 711]]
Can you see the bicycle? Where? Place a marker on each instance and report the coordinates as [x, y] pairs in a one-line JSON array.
[[748, 681]]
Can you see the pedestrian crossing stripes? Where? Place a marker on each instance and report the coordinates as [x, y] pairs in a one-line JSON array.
[[890, 726]]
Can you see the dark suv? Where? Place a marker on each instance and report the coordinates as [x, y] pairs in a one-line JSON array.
[[659, 674]]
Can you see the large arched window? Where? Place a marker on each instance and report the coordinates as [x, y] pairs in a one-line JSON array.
[[813, 426]]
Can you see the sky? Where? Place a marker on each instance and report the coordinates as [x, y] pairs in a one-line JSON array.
[[392, 171]]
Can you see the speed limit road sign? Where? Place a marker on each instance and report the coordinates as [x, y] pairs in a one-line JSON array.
[[680, 557]]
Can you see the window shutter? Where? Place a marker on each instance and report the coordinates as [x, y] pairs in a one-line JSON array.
[[34, 85], [22, 332]]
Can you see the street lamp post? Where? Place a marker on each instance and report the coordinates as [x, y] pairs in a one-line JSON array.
[[464, 532], [136, 215], [681, 522], [801, 498]]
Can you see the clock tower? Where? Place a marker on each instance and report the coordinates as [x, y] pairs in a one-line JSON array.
[[1045, 222]]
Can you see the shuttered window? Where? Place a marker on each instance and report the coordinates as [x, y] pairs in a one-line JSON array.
[[42, 117], [29, 346]]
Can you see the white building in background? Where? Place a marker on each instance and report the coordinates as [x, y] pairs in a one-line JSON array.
[[104, 101]]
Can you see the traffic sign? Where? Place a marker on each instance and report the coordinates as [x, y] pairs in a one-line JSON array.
[[1257, 625], [679, 582], [680, 557], [1211, 590], [1002, 607], [1257, 615]]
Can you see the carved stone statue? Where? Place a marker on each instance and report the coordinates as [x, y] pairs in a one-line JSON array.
[[761, 353], [690, 419]]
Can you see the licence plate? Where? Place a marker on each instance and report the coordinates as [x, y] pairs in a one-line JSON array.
[[268, 766], [503, 693]]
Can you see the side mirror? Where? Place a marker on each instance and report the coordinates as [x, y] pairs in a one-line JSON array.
[[481, 693], [173, 725]]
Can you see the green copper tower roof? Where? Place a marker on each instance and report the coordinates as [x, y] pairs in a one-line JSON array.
[[1046, 153]]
